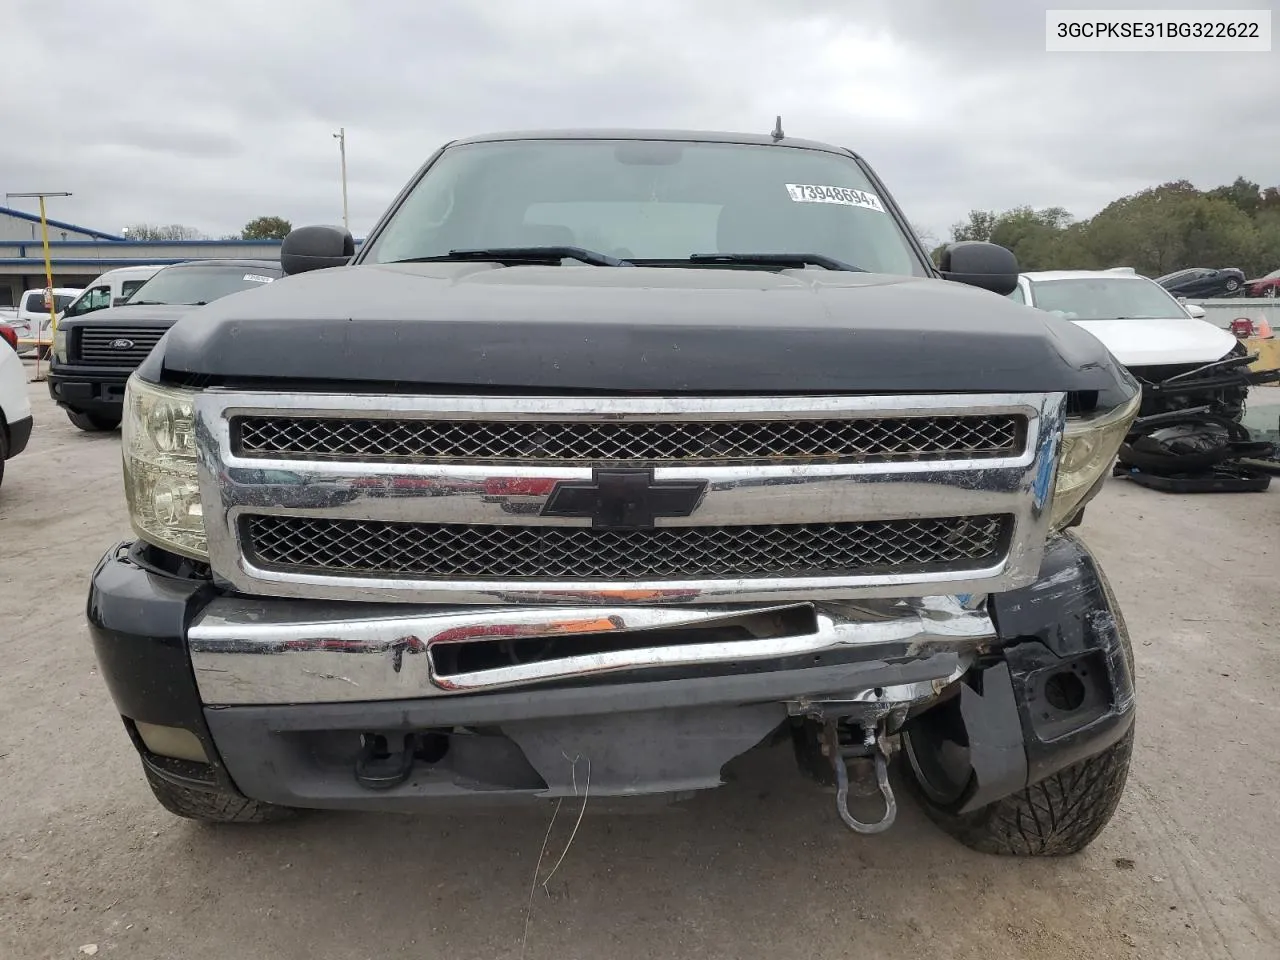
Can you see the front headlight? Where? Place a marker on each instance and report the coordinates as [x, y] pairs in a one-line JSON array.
[[60, 345], [160, 478], [1089, 446]]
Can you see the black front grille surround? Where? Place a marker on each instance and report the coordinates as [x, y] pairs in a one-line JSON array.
[[394, 549], [637, 442], [102, 345]]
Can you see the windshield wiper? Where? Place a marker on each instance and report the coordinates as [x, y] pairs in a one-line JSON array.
[[146, 303], [777, 259], [548, 254]]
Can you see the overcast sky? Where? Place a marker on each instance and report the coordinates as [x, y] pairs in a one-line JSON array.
[[212, 113]]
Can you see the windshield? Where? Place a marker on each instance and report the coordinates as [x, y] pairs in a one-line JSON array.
[[1105, 299], [202, 284], [646, 200]]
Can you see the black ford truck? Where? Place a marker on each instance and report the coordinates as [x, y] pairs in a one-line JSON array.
[[94, 355], [609, 457]]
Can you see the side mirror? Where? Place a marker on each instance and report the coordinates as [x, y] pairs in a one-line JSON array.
[[316, 248], [1195, 310], [980, 264]]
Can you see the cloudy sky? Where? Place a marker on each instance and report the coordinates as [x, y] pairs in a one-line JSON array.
[[212, 113]]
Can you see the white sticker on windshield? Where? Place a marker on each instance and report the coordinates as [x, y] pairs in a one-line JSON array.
[[847, 196], [256, 278]]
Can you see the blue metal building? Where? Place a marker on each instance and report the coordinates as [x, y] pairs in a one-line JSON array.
[[79, 253]]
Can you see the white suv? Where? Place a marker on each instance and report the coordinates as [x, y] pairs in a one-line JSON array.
[[15, 407]]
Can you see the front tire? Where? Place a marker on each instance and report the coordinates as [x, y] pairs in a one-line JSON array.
[[1056, 817], [1233, 285], [213, 807], [93, 422]]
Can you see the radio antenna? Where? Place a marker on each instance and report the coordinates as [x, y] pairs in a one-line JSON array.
[[777, 129]]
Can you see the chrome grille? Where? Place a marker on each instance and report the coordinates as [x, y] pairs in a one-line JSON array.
[[639, 442], [396, 549], [94, 345], [440, 498]]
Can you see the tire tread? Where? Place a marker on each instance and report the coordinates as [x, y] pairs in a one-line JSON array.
[[1058, 816], [213, 807]]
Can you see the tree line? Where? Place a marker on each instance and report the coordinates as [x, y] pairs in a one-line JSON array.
[[259, 228], [1156, 231]]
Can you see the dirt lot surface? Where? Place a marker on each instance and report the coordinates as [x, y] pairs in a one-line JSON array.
[[1189, 868]]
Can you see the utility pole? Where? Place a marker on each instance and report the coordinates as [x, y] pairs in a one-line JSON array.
[[341, 137], [48, 268]]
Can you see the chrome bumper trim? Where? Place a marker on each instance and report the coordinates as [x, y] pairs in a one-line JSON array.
[[250, 652], [233, 486]]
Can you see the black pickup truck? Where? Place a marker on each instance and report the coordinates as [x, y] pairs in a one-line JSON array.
[[94, 355], [609, 457]]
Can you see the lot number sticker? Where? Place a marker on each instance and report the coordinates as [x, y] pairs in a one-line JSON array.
[[847, 196], [257, 278]]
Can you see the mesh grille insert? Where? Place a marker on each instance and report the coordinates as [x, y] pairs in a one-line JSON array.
[[426, 550], [639, 442]]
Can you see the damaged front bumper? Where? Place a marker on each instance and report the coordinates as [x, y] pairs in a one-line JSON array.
[[286, 699], [246, 651]]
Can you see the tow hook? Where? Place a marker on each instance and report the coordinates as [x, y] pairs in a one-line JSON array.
[[839, 754], [380, 765]]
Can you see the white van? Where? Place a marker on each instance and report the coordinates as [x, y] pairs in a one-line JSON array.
[[111, 289], [32, 322]]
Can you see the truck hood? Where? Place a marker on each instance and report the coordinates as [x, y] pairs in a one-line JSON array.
[[143, 316], [559, 329], [1151, 343]]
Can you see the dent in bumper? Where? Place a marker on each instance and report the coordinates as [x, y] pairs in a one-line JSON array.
[[263, 651]]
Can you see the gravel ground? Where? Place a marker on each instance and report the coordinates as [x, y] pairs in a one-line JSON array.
[[1189, 868]]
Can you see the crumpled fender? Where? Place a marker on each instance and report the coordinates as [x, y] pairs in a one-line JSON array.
[[1060, 688]]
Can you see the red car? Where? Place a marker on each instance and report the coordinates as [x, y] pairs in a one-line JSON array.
[[1268, 286]]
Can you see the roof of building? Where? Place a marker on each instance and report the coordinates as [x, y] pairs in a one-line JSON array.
[[59, 224]]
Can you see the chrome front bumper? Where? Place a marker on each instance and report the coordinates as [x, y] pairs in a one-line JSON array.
[[247, 651]]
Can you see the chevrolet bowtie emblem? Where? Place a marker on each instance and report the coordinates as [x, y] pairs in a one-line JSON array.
[[619, 499]]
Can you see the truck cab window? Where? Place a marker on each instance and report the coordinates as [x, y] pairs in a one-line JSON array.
[[96, 298]]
